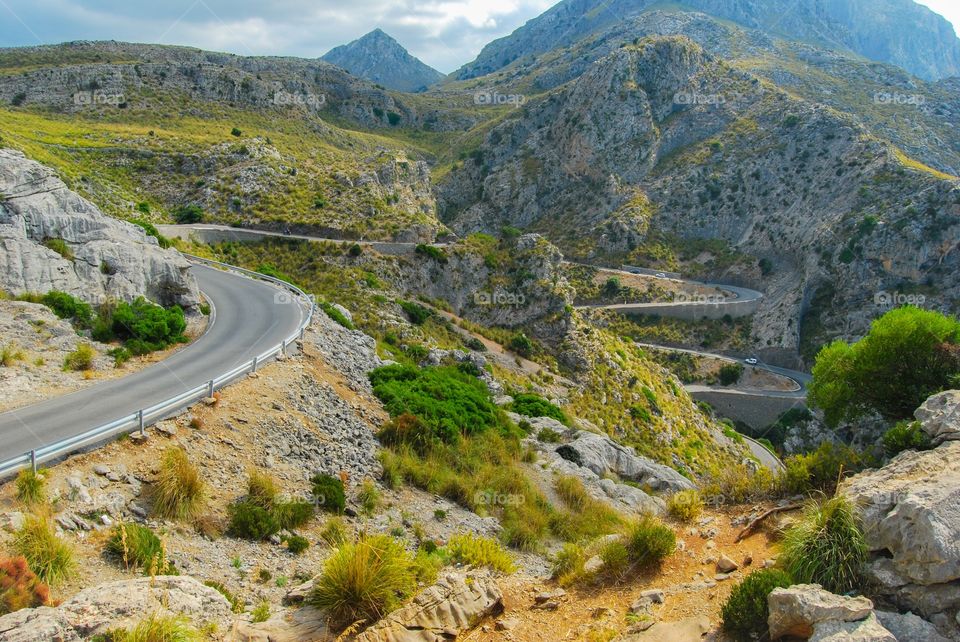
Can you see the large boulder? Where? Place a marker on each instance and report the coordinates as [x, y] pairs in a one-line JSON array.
[[799, 610], [442, 612], [907, 626], [939, 416], [111, 259], [117, 605], [603, 455]]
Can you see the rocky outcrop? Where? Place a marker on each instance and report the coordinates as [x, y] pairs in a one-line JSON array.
[[911, 514], [104, 259], [117, 605], [442, 612], [808, 611], [939, 417]]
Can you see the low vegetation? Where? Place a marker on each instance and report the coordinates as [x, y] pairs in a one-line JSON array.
[[474, 550], [905, 435], [49, 556], [20, 588], [745, 612], [179, 491], [32, 487], [138, 547], [685, 505], [826, 546], [531, 405], [158, 628], [81, 358]]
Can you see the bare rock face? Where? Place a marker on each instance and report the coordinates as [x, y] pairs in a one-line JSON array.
[[443, 611], [804, 609], [115, 605], [108, 259], [939, 417]]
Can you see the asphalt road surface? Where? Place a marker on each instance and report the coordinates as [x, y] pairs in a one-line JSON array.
[[247, 321]]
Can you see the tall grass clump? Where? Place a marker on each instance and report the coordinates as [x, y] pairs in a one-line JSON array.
[[474, 550], [365, 580], [179, 491], [47, 555], [685, 505], [159, 628], [139, 547], [826, 546], [649, 541], [745, 612], [32, 487]]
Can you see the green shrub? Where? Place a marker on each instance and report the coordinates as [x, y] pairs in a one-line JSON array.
[[821, 469], [531, 405], [826, 546], [649, 541], [417, 314], [328, 493], [147, 327], [475, 550], [66, 306], [336, 315], [745, 612], [521, 344], [187, 214], [449, 402], [32, 487], [152, 230], [568, 564], [250, 521], [364, 580], [139, 547], [905, 435], [293, 513], [476, 345], [297, 544], [548, 436], [179, 491], [47, 555], [260, 613], [615, 557], [685, 505], [60, 247], [20, 588], [904, 358], [730, 373], [80, 359], [432, 251]]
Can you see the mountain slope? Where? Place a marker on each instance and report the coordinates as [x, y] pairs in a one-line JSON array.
[[380, 59], [900, 32]]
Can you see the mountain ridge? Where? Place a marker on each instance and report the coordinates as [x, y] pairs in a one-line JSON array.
[[379, 58]]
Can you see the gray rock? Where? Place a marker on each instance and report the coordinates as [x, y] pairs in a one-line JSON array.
[[798, 610], [11, 522], [939, 416], [111, 260], [866, 630], [907, 626], [726, 565]]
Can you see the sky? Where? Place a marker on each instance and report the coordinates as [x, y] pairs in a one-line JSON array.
[[443, 33]]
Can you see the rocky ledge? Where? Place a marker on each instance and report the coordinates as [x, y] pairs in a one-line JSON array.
[[99, 259]]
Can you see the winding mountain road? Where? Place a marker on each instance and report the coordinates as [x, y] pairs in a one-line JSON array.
[[248, 317]]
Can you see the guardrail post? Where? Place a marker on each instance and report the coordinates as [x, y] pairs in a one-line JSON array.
[[33, 460], [140, 421], [303, 331], [283, 347], [210, 388], [254, 364]]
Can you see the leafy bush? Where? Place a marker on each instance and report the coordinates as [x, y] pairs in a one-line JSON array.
[[66, 306], [365, 580], [417, 314], [19, 586], [522, 345], [152, 230], [821, 469], [293, 513], [47, 555], [730, 373], [907, 355], [433, 252], [476, 344], [250, 521], [449, 402], [179, 491], [328, 493], [531, 405], [139, 547], [147, 326], [649, 541], [738, 483], [905, 435], [336, 315], [188, 214], [745, 612], [685, 505], [80, 359], [826, 546], [297, 544], [32, 487], [474, 550]]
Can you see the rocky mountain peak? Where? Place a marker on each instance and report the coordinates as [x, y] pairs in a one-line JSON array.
[[379, 58]]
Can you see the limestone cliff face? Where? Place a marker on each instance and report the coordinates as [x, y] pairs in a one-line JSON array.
[[105, 259], [662, 137]]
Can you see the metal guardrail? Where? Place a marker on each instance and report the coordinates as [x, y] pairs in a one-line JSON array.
[[145, 417]]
